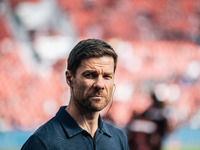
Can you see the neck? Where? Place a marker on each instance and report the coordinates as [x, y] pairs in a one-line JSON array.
[[86, 120]]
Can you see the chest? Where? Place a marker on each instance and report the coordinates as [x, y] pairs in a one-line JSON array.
[[86, 142]]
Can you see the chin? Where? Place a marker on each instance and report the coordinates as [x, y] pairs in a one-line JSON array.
[[98, 107]]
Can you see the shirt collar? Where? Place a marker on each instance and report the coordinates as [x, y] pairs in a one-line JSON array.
[[103, 127], [72, 128]]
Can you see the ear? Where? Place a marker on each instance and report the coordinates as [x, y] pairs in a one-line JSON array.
[[68, 77]]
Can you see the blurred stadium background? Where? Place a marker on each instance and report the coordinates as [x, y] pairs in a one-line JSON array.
[[158, 43]]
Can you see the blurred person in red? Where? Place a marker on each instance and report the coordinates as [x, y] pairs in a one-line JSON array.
[[79, 126], [146, 131]]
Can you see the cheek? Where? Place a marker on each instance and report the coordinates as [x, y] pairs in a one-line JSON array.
[[110, 89], [84, 86]]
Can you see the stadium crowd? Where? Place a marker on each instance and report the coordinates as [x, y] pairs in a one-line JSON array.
[[157, 42]]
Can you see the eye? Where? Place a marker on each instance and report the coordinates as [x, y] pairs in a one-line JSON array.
[[89, 75], [108, 77]]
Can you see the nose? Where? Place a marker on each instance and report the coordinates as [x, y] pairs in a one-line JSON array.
[[99, 84]]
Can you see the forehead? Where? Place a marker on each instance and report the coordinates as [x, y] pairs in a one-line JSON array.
[[105, 63]]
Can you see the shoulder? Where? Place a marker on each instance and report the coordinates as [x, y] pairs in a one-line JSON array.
[[44, 135], [49, 128], [33, 143], [115, 131], [118, 135]]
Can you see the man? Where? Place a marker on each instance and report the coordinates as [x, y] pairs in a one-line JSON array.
[[79, 126]]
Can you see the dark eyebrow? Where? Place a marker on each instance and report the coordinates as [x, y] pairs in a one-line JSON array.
[[89, 71], [95, 72], [109, 73]]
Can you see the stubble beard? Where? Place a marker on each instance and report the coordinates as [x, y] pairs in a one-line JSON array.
[[90, 105]]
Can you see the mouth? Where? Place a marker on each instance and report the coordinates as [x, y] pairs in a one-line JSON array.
[[96, 98]]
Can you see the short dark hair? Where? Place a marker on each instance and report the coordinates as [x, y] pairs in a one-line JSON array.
[[87, 49]]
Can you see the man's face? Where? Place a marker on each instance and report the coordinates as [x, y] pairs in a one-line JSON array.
[[93, 83]]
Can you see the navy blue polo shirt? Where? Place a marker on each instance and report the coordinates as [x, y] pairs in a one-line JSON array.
[[63, 133]]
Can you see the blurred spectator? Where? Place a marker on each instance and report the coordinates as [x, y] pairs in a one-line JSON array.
[[146, 131]]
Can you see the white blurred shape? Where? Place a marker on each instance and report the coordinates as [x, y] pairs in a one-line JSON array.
[[174, 93], [50, 107], [124, 92], [34, 15], [167, 92], [127, 58], [193, 69], [53, 47], [162, 91], [143, 126]]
